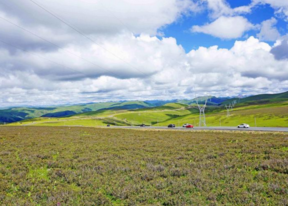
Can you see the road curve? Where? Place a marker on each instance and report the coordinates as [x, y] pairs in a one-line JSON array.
[[262, 129]]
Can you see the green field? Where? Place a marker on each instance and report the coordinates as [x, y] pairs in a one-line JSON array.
[[268, 110], [262, 108], [263, 115], [88, 166], [257, 111], [269, 115], [24, 113]]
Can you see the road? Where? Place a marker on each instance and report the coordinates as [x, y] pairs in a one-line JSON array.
[[263, 129]]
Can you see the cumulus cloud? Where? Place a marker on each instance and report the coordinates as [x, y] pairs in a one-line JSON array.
[[126, 60], [225, 27], [269, 32], [280, 50], [108, 17], [76, 62], [247, 67], [220, 8], [280, 6]]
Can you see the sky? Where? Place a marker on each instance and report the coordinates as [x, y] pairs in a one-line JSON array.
[[77, 51]]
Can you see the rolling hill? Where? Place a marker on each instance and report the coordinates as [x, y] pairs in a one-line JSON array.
[[266, 108], [264, 115], [260, 99], [22, 113]]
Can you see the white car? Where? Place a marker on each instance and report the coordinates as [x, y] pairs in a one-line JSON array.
[[184, 125], [243, 126]]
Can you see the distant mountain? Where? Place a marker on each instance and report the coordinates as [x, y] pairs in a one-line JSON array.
[[260, 99], [211, 100], [60, 114], [22, 113], [157, 103]]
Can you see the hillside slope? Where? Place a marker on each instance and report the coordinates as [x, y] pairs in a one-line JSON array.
[[124, 112], [18, 114], [262, 115], [260, 99]]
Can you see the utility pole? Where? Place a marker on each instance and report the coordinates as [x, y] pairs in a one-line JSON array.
[[228, 109], [202, 119], [230, 106], [234, 103]]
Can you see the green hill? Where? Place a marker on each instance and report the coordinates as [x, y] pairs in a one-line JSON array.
[[268, 110], [263, 115], [21, 113], [260, 99], [18, 114]]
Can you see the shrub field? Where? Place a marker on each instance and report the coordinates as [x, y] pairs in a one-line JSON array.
[[90, 166]]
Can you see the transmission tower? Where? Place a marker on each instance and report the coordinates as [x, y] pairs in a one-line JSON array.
[[233, 104], [202, 119], [230, 107]]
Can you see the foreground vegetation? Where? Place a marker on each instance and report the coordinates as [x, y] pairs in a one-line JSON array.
[[88, 166]]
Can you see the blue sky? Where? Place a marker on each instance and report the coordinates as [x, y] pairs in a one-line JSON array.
[[181, 28], [74, 51]]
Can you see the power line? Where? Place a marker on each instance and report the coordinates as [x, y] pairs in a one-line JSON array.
[[26, 30], [32, 33], [119, 20], [77, 30], [42, 57]]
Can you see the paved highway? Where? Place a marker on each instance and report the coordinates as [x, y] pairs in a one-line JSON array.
[[263, 129]]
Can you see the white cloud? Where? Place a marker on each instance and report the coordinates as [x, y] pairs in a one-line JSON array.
[[162, 71], [225, 27], [220, 8], [121, 65], [280, 48], [131, 57], [108, 17], [269, 31], [280, 6]]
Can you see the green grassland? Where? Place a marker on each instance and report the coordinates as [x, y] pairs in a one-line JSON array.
[[261, 99], [268, 115], [260, 110], [23, 113], [92, 166], [263, 115], [268, 109]]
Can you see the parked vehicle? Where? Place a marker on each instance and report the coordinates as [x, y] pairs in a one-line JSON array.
[[243, 125], [184, 125], [142, 125], [171, 125], [189, 126]]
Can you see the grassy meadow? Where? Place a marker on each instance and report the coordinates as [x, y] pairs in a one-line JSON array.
[[89, 166], [261, 115]]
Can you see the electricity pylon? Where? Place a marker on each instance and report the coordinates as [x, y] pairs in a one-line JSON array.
[[202, 119], [230, 107]]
